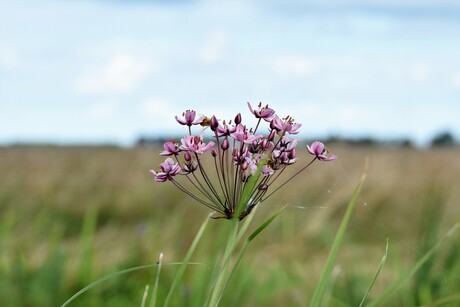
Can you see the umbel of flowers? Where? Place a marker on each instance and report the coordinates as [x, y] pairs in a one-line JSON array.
[[247, 164]]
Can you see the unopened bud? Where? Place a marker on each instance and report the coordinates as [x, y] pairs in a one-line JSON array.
[[214, 153], [263, 187], [264, 144], [187, 156], [225, 144], [238, 119], [272, 134], [245, 165], [214, 123]]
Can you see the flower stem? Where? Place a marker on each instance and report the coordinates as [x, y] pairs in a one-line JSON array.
[[224, 272]]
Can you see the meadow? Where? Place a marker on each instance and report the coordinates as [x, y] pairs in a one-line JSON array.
[[71, 215]]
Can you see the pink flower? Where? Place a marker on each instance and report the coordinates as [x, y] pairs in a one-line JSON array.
[[171, 148], [320, 151], [286, 144], [225, 130], [287, 125], [239, 152], [169, 169], [267, 170], [189, 118], [195, 144], [241, 134], [263, 112]]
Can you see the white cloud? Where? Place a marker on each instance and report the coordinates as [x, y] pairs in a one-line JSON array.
[[122, 73], [456, 80], [293, 65], [214, 48]]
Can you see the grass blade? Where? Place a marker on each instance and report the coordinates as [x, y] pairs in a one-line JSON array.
[[186, 261], [86, 242], [153, 297], [406, 277], [144, 297], [445, 300], [382, 262], [326, 274], [115, 274], [251, 237]]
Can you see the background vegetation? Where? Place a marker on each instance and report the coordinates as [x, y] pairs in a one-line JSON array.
[[70, 215]]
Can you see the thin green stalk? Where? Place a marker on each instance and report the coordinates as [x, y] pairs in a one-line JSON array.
[[115, 274], [154, 295], [406, 277], [180, 272], [445, 300], [245, 224], [249, 187], [223, 274], [321, 287], [235, 236], [86, 241], [144, 297], [382, 262], [252, 237]]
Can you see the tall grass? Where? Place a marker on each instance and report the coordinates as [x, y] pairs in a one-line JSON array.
[[72, 215]]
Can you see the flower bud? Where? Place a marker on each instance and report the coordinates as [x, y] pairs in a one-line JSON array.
[[214, 123], [263, 187], [187, 156], [214, 153], [238, 119], [225, 144], [245, 165], [272, 134]]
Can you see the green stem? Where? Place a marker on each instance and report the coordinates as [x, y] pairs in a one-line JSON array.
[[323, 283], [185, 263], [224, 273]]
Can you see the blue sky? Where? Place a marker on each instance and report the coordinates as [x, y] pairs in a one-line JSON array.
[[110, 71]]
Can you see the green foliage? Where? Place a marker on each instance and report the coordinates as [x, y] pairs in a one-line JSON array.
[[70, 216]]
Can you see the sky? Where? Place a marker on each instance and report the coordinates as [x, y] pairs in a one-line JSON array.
[[112, 71]]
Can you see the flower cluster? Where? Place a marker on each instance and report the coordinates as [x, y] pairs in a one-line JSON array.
[[246, 163]]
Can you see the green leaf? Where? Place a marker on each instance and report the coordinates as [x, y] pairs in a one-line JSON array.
[[180, 272], [326, 274], [382, 262]]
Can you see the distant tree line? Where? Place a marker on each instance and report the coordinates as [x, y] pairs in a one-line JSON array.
[[442, 139]]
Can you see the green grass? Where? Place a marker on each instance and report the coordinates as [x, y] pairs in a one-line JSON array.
[[69, 216]]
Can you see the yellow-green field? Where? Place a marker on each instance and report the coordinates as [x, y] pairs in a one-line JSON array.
[[71, 215]]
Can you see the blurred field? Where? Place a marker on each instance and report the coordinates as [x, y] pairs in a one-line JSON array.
[[71, 215]]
